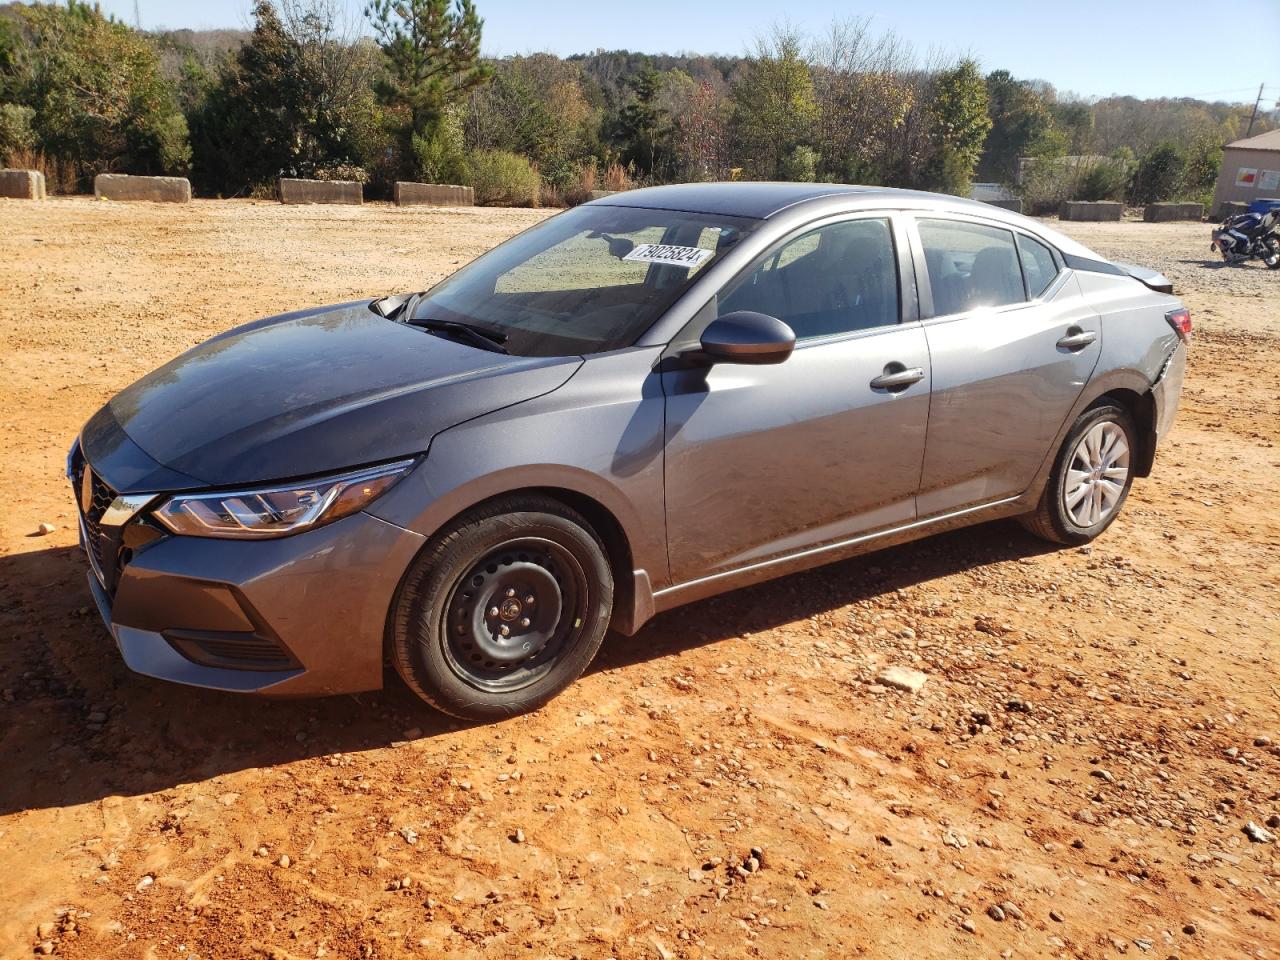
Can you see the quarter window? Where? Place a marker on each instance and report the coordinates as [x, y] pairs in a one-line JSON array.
[[835, 279], [970, 266], [1038, 265]]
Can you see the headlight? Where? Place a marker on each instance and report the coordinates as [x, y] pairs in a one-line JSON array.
[[278, 511]]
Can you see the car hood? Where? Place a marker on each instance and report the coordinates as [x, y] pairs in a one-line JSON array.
[[302, 394]]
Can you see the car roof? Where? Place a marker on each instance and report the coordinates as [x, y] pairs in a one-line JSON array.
[[761, 200]]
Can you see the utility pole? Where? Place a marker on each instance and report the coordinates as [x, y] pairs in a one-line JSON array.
[[137, 16], [1256, 104]]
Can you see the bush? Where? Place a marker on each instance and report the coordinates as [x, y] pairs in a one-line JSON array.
[[1159, 174], [342, 172], [438, 156], [616, 178], [800, 165], [584, 181], [16, 135], [1105, 180], [504, 179]]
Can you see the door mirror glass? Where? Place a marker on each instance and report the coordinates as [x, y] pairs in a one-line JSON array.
[[747, 337]]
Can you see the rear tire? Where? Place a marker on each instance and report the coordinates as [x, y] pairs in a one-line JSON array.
[[1272, 257], [1091, 478], [503, 610]]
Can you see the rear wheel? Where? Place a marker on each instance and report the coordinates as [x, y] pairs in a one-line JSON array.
[[1091, 478], [1272, 255], [503, 610]]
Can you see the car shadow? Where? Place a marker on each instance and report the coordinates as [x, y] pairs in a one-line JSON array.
[[76, 726]]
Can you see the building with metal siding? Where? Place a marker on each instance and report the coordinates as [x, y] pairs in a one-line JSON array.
[[1250, 171]]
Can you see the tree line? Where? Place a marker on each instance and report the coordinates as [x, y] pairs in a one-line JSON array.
[[404, 93]]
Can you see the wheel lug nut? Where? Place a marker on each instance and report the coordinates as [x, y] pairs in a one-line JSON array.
[[529, 598], [493, 611], [511, 591], [505, 630], [525, 622]]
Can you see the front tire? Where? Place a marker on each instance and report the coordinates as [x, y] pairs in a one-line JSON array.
[[503, 610], [1091, 478]]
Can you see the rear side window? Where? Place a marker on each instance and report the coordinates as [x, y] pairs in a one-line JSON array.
[[835, 279], [1038, 265], [970, 266]]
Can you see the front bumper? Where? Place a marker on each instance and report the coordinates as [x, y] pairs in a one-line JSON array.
[[296, 616]]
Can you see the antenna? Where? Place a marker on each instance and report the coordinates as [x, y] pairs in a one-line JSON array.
[[137, 16]]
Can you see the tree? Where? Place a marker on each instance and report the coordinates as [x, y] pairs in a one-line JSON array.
[[958, 110], [699, 136], [94, 89], [433, 58], [1159, 174], [1021, 126], [296, 99], [534, 106], [863, 94], [640, 124], [773, 104]]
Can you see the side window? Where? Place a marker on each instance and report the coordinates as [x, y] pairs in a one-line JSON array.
[[970, 266], [835, 279], [1038, 265]]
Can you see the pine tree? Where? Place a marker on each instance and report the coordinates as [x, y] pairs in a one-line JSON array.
[[433, 54]]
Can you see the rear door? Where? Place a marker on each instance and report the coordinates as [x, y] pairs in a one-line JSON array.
[[766, 461], [1012, 345]]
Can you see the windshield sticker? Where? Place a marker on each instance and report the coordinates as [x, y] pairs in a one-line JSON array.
[[668, 254]]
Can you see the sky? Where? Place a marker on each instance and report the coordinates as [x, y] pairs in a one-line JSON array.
[[1146, 48]]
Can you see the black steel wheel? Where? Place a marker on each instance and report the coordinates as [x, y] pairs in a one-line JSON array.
[[512, 612], [503, 610]]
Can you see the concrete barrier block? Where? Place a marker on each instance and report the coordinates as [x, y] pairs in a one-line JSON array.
[[1231, 208], [320, 191], [22, 184], [601, 194], [409, 194], [1014, 204], [1165, 212], [1090, 210], [120, 186]]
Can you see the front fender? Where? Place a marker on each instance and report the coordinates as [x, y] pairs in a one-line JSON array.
[[600, 436]]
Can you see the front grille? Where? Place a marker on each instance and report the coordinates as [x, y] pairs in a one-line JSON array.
[[102, 543]]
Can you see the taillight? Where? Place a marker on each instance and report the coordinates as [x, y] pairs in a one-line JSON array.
[[1180, 320]]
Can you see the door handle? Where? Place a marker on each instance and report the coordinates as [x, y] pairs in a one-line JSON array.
[[1077, 339], [897, 377]]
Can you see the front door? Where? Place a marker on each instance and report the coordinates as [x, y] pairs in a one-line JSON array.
[[767, 461], [1012, 345]]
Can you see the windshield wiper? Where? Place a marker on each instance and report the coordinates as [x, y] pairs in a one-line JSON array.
[[483, 337]]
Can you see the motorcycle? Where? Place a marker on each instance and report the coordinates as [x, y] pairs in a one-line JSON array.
[[1248, 235]]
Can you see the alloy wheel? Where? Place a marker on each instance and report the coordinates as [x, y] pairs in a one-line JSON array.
[[1097, 474]]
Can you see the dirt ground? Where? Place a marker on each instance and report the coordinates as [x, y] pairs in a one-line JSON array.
[[1098, 727]]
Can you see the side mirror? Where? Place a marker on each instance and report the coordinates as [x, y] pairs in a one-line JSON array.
[[747, 337]]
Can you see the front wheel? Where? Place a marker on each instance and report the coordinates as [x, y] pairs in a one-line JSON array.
[[1091, 478], [503, 610]]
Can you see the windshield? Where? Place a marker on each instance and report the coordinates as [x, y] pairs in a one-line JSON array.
[[589, 280]]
